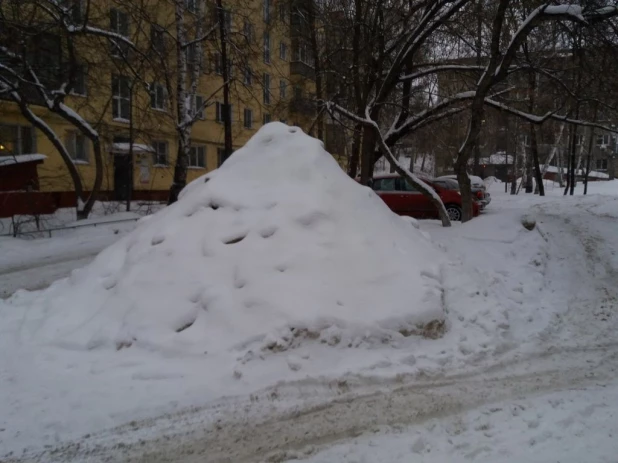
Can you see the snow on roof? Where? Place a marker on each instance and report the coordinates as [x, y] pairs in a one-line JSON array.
[[137, 148], [276, 247], [497, 158], [592, 173], [21, 158]]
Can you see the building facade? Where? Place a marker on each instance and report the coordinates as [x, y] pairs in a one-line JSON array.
[[129, 95]]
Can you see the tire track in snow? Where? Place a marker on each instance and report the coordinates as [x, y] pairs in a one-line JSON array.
[[246, 436]]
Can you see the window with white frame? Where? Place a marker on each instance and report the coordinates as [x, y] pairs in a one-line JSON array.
[[283, 51], [16, 139], [220, 112], [283, 89], [197, 156], [601, 164], [119, 23], [160, 155], [227, 17], [266, 88], [267, 6], [298, 92], [77, 146], [191, 5], [267, 47], [192, 55], [302, 52], [157, 38], [603, 140], [73, 9], [248, 31], [79, 81], [197, 107], [217, 63], [265, 118], [283, 11], [121, 98], [157, 96], [248, 76], [248, 118]]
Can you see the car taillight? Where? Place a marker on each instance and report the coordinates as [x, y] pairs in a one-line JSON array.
[[479, 194]]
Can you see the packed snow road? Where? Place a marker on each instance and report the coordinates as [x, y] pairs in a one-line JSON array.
[[248, 434], [559, 283]]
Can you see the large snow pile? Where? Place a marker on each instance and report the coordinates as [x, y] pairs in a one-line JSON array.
[[275, 247]]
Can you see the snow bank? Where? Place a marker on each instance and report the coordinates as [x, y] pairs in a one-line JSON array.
[[275, 247]]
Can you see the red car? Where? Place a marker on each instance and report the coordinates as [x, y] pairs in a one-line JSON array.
[[404, 199]]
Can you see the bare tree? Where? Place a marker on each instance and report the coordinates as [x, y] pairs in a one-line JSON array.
[[41, 53], [387, 53]]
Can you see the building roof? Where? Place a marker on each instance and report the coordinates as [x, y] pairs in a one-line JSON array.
[[21, 159], [497, 158], [591, 174]]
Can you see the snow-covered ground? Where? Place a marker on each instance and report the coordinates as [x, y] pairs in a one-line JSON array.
[[34, 260], [321, 327]]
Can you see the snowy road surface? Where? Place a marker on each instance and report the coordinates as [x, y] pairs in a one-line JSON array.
[[39, 276], [529, 373], [35, 264]]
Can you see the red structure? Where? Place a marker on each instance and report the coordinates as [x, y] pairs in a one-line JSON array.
[[19, 182]]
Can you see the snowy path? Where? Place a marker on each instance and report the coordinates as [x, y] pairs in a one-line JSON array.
[[249, 435], [573, 346], [38, 276], [34, 264]]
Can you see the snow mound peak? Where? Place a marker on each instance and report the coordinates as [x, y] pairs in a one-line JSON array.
[[275, 247]]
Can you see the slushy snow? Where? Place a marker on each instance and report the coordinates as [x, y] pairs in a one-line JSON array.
[[275, 247]]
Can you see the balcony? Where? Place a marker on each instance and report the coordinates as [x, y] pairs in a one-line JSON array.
[[303, 106], [303, 69]]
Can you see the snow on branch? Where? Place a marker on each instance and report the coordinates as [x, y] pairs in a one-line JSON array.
[[71, 29], [406, 174], [77, 120], [459, 97], [437, 14], [441, 68], [565, 10], [533, 118], [546, 12]]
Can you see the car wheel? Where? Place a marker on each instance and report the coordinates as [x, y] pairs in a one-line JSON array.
[[454, 212]]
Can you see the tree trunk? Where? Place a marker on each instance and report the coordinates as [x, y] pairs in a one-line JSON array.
[[528, 153], [559, 162], [368, 148], [514, 181], [182, 156], [555, 152], [479, 61], [573, 161], [225, 71], [392, 167], [529, 182], [356, 147], [82, 208], [534, 149], [317, 68], [180, 170], [589, 154], [416, 183]]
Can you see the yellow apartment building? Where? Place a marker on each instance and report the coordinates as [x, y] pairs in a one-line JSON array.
[[131, 103]]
